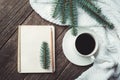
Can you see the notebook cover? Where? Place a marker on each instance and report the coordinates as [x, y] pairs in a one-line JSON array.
[[30, 39]]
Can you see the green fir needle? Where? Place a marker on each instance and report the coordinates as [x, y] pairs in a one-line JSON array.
[[45, 55]]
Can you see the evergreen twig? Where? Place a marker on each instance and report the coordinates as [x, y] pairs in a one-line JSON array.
[[67, 10], [95, 13], [45, 56], [73, 16], [57, 8]]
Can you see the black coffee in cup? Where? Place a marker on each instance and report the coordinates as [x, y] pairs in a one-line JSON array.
[[85, 43]]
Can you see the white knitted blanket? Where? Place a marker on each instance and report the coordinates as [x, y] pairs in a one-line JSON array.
[[107, 62]]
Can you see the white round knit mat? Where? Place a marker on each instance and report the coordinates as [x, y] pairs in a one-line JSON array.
[[45, 9]]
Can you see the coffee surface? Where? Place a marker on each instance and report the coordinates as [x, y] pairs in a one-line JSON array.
[[85, 43]]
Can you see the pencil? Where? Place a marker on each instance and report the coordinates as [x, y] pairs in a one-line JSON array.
[[52, 49]]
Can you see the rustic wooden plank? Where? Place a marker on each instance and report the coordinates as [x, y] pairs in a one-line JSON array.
[[8, 69], [7, 5], [9, 50], [15, 6], [3, 3], [72, 71], [3, 58], [1, 15], [35, 19], [17, 19]]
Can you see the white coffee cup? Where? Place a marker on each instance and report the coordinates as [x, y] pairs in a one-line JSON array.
[[92, 34]]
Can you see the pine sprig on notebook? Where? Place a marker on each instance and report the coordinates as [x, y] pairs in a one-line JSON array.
[[45, 55]]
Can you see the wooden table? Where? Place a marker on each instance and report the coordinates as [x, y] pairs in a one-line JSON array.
[[19, 12]]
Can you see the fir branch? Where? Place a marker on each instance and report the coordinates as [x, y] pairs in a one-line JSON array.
[[95, 13], [73, 16], [57, 8], [61, 10], [45, 56], [67, 10], [64, 11], [74, 31], [92, 6]]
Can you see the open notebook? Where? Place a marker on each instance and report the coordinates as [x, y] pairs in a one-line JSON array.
[[30, 39]]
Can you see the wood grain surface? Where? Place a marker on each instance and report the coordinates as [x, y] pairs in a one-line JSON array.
[[19, 12]]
